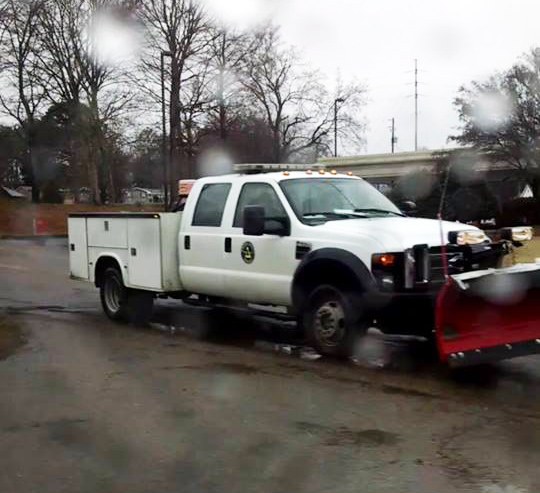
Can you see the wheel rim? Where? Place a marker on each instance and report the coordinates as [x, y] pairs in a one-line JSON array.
[[329, 323], [113, 294]]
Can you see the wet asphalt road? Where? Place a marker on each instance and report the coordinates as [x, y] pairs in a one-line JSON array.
[[91, 406]]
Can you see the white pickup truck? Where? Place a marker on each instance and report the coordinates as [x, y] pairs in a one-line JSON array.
[[328, 248]]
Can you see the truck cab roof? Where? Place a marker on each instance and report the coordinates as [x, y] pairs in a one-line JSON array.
[[276, 176]]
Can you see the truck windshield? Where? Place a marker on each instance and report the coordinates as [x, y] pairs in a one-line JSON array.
[[324, 199]]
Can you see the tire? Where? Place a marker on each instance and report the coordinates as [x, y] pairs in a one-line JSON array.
[[114, 295], [122, 304], [332, 322]]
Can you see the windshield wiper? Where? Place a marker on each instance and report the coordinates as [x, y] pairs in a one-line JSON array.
[[348, 214], [328, 214], [384, 211]]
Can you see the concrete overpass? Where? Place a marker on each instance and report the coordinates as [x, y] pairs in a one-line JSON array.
[[383, 170], [385, 166]]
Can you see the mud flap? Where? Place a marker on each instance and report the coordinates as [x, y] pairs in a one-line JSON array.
[[489, 315]]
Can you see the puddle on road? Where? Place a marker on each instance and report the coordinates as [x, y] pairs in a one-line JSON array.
[[238, 368], [54, 424], [335, 437], [376, 351], [504, 381], [223, 368], [11, 337]]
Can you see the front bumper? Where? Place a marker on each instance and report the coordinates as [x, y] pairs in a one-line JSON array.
[[409, 308], [402, 313], [421, 268]]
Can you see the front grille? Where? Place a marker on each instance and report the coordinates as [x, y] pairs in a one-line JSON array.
[[455, 260], [421, 273]]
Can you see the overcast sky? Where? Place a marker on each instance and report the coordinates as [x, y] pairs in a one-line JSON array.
[[377, 41]]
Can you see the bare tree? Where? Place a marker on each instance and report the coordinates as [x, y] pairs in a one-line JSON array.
[[105, 85], [61, 53], [350, 123], [22, 96], [76, 75], [227, 51], [196, 103], [296, 104], [181, 29]]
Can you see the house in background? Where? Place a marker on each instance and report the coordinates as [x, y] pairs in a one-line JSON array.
[[25, 190], [139, 195], [11, 194], [84, 196]]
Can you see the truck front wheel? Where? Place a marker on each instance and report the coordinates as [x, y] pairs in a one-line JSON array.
[[331, 321], [123, 304]]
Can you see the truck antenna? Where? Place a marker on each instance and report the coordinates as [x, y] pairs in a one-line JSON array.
[[440, 217]]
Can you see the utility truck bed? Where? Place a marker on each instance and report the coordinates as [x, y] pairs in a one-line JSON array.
[[144, 244]]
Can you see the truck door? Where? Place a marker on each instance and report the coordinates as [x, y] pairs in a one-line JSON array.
[[259, 268], [201, 241]]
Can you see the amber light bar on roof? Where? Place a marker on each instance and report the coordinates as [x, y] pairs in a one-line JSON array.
[[269, 168], [285, 168]]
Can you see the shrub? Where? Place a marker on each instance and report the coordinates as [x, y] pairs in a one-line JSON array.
[[520, 211]]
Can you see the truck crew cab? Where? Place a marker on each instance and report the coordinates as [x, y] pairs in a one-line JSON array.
[[338, 255]]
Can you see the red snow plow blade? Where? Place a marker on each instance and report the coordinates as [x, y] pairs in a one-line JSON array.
[[489, 315]]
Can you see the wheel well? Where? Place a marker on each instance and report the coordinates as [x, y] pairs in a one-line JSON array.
[[324, 271], [102, 265]]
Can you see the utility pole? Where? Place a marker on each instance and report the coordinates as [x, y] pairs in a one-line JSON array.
[[394, 139], [336, 101], [164, 132], [415, 104]]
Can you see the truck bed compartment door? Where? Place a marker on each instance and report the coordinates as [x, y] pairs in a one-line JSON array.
[[78, 247], [144, 253], [108, 232]]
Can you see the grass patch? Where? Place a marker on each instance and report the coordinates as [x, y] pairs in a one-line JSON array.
[[529, 252]]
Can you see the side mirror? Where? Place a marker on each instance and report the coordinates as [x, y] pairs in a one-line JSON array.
[[254, 220], [408, 207], [279, 226]]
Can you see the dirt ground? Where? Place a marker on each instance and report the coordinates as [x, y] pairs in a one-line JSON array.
[[92, 406]]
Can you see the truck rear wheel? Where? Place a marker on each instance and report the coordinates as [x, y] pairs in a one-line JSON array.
[[123, 304], [331, 321]]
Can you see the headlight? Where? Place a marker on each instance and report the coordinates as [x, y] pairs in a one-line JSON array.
[[472, 237], [519, 234]]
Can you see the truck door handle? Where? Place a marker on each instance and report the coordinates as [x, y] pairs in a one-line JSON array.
[[187, 242], [228, 245]]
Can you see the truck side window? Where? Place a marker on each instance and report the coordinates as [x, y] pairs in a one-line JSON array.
[[258, 194], [211, 204]]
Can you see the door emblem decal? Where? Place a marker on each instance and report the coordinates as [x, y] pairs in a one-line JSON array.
[[248, 252]]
